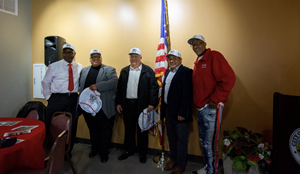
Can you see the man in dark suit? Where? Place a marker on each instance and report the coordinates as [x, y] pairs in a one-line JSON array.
[[137, 89], [104, 79], [176, 102]]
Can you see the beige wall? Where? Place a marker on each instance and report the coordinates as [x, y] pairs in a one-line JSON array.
[[260, 40], [15, 56]]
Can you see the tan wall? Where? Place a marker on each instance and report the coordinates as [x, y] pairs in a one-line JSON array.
[[260, 40]]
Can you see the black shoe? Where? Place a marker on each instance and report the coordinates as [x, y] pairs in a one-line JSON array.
[[143, 158], [104, 158], [125, 155], [93, 153]]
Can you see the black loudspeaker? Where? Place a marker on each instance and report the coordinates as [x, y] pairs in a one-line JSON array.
[[53, 49]]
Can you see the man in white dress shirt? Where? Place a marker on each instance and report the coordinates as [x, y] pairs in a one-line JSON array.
[[137, 89], [60, 87]]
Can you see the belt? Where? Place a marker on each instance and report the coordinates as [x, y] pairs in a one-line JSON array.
[[132, 99], [66, 94]]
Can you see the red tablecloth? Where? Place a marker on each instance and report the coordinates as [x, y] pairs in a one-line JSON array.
[[26, 154]]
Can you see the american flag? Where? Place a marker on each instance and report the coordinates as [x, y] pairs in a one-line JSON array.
[[161, 63]]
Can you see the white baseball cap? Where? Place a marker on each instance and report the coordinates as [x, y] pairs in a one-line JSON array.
[[174, 53], [95, 51], [135, 51], [197, 36], [90, 101], [68, 46]]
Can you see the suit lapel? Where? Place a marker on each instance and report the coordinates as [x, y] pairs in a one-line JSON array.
[[101, 74], [163, 85], [175, 76], [83, 77]]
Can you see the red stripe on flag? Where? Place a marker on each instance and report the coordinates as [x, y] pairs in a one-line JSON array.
[[161, 46]]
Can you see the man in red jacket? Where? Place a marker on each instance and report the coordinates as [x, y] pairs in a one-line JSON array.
[[213, 79]]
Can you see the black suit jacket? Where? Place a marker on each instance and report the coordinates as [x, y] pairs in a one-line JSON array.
[[147, 88], [180, 96]]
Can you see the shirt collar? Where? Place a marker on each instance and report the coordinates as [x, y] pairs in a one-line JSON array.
[[67, 63], [175, 70], [199, 58], [136, 69]]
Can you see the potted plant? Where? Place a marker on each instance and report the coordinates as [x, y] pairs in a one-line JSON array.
[[245, 151]]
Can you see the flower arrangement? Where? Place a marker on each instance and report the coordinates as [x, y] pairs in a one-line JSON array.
[[244, 149]]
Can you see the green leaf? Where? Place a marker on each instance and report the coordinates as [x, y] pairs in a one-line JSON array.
[[242, 157], [239, 164], [228, 150], [252, 163], [235, 136]]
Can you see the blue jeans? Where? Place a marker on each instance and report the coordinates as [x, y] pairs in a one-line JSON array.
[[209, 121]]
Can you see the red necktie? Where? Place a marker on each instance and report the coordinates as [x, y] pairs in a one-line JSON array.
[[71, 83]]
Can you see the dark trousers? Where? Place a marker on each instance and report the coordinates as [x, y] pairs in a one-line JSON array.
[[63, 102], [178, 141], [130, 116], [101, 129]]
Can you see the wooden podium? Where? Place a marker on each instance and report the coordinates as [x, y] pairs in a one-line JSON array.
[[286, 134]]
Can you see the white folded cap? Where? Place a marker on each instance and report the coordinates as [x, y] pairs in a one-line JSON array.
[[135, 51], [95, 51], [68, 46], [197, 36], [90, 101], [174, 53]]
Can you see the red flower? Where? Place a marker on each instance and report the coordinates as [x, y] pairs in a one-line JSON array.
[[257, 158], [252, 158], [227, 147], [238, 151], [268, 162]]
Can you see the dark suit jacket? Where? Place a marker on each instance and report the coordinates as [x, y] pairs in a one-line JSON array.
[[147, 88], [180, 95]]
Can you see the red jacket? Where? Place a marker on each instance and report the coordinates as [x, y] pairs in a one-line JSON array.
[[213, 78]]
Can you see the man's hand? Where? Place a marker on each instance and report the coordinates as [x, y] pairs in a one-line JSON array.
[[119, 108], [212, 105], [180, 118], [150, 108], [93, 87]]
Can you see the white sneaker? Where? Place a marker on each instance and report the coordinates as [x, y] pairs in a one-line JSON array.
[[200, 171]]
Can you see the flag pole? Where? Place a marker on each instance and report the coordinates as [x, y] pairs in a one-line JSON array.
[[163, 158]]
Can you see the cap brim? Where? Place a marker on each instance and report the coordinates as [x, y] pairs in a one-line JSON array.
[[68, 48], [190, 41], [168, 55], [134, 53]]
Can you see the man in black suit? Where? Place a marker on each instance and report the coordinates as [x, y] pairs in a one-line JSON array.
[[176, 100], [137, 89]]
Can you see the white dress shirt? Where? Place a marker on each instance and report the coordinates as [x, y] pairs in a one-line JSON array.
[[133, 82], [168, 82], [56, 79], [199, 58]]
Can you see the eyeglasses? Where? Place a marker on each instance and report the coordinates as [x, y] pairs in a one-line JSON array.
[[95, 57], [196, 44], [67, 52]]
